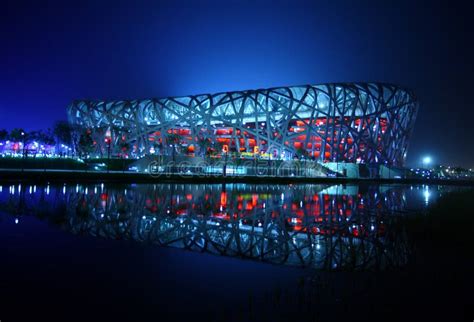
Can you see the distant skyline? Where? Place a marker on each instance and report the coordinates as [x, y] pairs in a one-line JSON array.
[[56, 51]]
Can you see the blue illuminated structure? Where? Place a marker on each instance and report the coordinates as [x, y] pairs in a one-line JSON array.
[[340, 122]]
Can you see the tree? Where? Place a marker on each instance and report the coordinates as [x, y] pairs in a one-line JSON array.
[[76, 131], [173, 139], [203, 144], [62, 131], [217, 147], [124, 147], [16, 135], [3, 135], [86, 143], [33, 136], [47, 137], [302, 153]]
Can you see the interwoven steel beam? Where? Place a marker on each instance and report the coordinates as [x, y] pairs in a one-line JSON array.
[[350, 122]]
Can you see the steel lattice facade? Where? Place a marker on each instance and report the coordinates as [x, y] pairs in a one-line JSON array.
[[341, 122]]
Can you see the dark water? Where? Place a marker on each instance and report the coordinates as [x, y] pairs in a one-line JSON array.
[[174, 251]]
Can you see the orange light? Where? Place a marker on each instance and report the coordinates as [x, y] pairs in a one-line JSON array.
[[254, 199], [223, 199]]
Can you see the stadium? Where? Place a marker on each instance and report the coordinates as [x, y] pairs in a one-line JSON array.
[[367, 123]]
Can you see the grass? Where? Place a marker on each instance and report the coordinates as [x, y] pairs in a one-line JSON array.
[[63, 163], [113, 164], [41, 163]]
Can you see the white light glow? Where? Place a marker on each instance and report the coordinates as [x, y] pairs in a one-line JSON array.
[[426, 194]]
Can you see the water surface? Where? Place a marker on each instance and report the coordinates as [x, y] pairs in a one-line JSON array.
[[191, 248]]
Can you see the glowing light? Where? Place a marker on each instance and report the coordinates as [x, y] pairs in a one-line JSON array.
[[426, 160], [426, 194]]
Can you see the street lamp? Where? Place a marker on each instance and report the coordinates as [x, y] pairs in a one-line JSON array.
[[108, 140], [426, 161], [389, 170], [23, 141], [226, 154], [225, 151], [23, 157]]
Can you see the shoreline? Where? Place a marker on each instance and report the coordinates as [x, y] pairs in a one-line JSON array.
[[81, 176]]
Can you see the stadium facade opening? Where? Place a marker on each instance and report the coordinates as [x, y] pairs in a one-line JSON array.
[[340, 122]]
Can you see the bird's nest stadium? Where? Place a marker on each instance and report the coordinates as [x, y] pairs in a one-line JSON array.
[[340, 122]]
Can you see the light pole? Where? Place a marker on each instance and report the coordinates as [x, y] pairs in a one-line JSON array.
[[108, 140], [225, 163], [23, 157]]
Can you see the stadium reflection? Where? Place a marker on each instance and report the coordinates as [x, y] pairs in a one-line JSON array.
[[319, 226]]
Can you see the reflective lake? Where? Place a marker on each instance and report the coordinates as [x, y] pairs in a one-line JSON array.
[[319, 226], [123, 244]]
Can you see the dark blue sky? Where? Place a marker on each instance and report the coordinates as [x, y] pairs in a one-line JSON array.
[[54, 52]]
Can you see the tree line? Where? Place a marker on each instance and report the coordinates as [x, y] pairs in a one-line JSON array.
[[60, 133]]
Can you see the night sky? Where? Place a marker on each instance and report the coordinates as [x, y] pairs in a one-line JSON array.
[[54, 52]]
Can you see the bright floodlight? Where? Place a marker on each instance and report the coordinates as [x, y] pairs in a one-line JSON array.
[[426, 160]]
